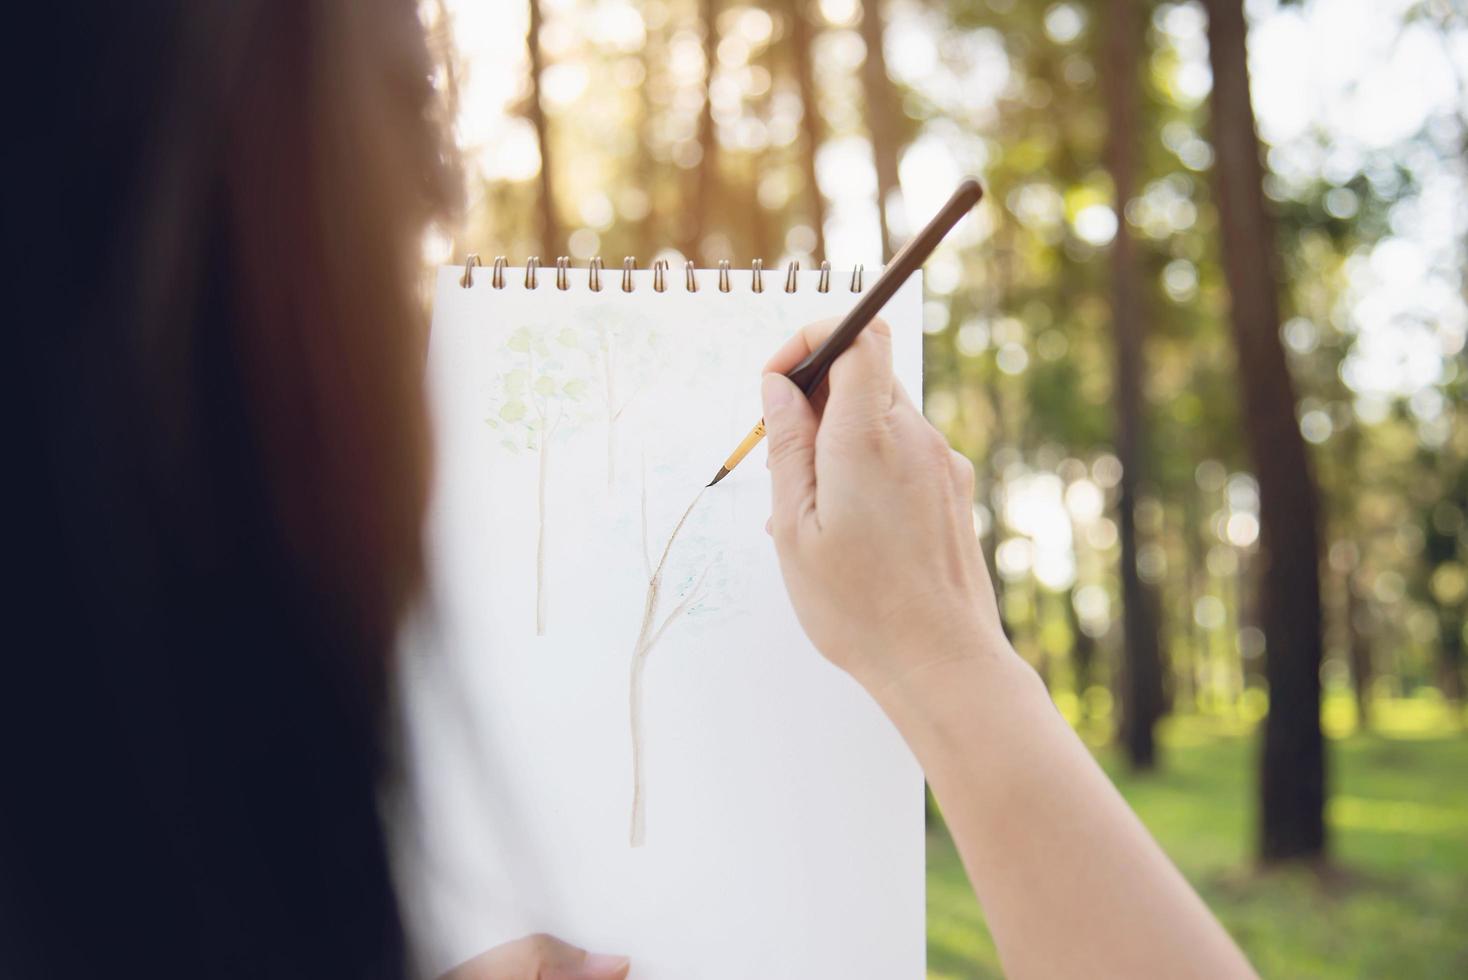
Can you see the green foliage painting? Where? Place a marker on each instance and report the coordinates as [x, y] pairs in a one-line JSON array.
[[535, 404]]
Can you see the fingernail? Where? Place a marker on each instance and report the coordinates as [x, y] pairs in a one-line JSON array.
[[601, 966], [775, 391]]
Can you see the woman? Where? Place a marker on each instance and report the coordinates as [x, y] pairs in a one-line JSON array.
[[222, 462]]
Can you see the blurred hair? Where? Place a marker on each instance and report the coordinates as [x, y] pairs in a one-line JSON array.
[[216, 209]]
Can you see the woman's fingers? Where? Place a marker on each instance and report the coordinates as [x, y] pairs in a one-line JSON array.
[[790, 426], [540, 957], [794, 350], [861, 379], [863, 371]]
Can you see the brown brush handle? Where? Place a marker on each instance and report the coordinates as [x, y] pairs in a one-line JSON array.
[[809, 373]]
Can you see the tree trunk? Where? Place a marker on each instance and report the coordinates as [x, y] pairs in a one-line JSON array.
[[762, 230], [646, 170], [705, 175], [801, 37], [550, 229], [1142, 696], [1341, 485], [1359, 646], [882, 119], [1442, 549], [1082, 650], [1196, 585], [1450, 655], [1292, 773]]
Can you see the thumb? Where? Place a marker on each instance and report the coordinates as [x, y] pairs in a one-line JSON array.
[[596, 966], [540, 957], [790, 426]]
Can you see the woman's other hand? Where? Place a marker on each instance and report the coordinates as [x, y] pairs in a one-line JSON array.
[[872, 516], [540, 957]]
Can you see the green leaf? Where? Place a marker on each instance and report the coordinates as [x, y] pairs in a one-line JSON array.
[[575, 388], [516, 380], [519, 340], [512, 411], [545, 386], [568, 338]]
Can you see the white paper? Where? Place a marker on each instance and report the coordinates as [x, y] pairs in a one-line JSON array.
[[783, 813]]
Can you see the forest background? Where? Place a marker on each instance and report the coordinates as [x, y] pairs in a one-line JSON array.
[[1204, 342]]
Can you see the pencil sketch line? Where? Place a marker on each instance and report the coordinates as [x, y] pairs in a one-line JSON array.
[[646, 558]]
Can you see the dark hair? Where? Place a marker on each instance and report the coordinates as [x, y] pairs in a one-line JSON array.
[[216, 209]]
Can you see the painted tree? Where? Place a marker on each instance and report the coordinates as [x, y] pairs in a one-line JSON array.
[[538, 400], [648, 635]]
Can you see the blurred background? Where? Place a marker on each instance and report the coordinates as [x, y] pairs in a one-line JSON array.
[[1204, 342]]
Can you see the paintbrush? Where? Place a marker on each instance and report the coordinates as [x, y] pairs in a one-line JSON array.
[[809, 373]]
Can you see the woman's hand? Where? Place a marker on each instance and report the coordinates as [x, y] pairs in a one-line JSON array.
[[540, 957], [872, 516]]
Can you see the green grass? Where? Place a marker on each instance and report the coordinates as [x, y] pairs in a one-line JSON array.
[[1394, 904]]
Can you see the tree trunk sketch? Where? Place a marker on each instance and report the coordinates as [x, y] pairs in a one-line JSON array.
[[609, 370], [1292, 774], [1141, 686], [882, 118], [614, 408], [544, 470], [810, 120], [647, 638]]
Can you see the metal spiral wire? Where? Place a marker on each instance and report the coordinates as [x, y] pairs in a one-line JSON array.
[[660, 278]]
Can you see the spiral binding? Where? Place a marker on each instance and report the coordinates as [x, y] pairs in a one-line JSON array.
[[660, 269]]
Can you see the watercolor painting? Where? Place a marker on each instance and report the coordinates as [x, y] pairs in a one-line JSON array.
[[612, 715], [544, 395], [579, 395]]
